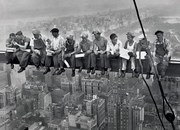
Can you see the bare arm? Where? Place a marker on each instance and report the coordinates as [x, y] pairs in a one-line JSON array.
[[169, 49]]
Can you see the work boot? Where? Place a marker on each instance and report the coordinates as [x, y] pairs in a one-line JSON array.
[[37, 67], [102, 72], [137, 75], [80, 69], [12, 66], [21, 70], [88, 70], [60, 71], [47, 70], [93, 70], [73, 73], [123, 74], [133, 74], [148, 76], [55, 71], [163, 74]]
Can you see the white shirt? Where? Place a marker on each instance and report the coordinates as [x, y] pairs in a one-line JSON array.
[[57, 43], [114, 48], [131, 48], [32, 40]]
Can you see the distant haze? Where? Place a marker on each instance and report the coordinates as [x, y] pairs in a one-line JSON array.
[[15, 9]]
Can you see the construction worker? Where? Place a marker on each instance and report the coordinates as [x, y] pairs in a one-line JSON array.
[[70, 50], [56, 46], [23, 52], [113, 50], [38, 47], [143, 46], [86, 47], [100, 46], [130, 45], [9, 44], [162, 53]]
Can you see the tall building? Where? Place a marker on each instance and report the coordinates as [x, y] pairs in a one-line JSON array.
[[3, 79], [6, 97], [44, 100], [123, 116], [94, 86], [58, 110], [137, 113], [96, 107], [59, 95], [65, 84], [101, 113], [111, 112], [17, 79]]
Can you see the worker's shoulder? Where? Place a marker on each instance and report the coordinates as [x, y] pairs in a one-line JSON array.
[[26, 39], [8, 40]]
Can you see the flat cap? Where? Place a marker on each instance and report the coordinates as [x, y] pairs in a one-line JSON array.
[[12, 34], [35, 31], [158, 31], [19, 33], [131, 34], [97, 31], [141, 36], [55, 30], [84, 34], [69, 34]]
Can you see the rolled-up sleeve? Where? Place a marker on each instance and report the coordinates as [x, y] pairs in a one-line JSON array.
[[108, 48], [153, 48], [169, 49], [62, 44]]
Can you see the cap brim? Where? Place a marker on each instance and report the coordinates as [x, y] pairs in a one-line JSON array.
[[158, 32], [54, 30]]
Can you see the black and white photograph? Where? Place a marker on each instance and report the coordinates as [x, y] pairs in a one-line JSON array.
[[89, 65]]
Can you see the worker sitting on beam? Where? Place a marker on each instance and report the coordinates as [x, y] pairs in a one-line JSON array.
[[10, 53], [88, 60], [161, 52], [100, 46], [38, 47], [113, 51], [70, 50], [130, 45], [23, 51], [143, 46], [54, 52]]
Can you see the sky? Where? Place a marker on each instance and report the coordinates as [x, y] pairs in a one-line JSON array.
[[11, 9]]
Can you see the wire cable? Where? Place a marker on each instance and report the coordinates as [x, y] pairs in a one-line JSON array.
[[169, 116]]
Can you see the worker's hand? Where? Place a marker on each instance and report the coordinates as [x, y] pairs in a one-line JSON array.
[[96, 52], [130, 54], [15, 43], [101, 52], [146, 57], [48, 41], [108, 54], [117, 53]]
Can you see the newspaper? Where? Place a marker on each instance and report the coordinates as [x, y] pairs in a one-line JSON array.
[[143, 54], [79, 55], [124, 54]]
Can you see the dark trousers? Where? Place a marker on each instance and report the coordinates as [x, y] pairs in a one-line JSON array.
[[146, 65], [10, 57], [109, 58], [104, 63], [71, 59], [89, 61], [55, 59], [23, 58], [38, 59], [161, 63]]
